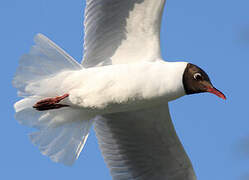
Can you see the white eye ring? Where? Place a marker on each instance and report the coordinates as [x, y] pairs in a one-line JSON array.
[[197, 76]]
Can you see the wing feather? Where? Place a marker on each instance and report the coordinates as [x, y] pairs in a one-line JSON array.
[[143, 145], [121, 31], [138, 145]]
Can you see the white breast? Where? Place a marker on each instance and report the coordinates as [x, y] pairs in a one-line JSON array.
[[125, 87]]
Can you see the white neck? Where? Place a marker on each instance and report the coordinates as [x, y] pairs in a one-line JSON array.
[[172, 79]]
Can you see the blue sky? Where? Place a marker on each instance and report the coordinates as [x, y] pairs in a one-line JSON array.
[[212, 34]]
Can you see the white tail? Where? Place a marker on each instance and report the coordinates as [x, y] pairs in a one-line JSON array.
[[62, 142]]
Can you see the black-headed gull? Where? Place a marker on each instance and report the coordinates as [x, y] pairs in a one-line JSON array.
[[123, 86]]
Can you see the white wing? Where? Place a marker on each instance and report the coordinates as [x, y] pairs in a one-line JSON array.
[[121, 31], [138, 145], [143, 145]]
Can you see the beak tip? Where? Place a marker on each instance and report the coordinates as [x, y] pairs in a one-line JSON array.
[[224, 97], [217, 93]]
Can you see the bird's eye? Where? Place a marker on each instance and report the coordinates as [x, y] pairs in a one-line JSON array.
[[197, 76]]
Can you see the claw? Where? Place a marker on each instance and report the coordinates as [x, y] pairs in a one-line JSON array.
[[50, 103]]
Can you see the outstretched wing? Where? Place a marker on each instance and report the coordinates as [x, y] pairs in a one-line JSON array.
[[121, 31], [143, 145], [138, 145]]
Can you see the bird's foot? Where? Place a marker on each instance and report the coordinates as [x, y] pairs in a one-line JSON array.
[[50, 103]]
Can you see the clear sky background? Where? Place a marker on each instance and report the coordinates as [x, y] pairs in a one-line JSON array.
[[213, 34]]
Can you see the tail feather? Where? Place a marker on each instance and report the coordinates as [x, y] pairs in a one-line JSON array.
[[63, 143], [61, 133], [44, 60]]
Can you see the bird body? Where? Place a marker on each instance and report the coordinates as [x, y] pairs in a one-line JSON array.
[[123, 87]]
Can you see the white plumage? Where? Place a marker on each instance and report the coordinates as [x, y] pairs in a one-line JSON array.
[[127, 100], [61, 133], [118, 31]]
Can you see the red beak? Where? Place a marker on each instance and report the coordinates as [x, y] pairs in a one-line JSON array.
[[216, 92]]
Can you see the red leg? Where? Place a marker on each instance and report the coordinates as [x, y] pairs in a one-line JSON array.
[[50, 103]]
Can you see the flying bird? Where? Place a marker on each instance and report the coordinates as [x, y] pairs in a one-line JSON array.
[[122, 87]]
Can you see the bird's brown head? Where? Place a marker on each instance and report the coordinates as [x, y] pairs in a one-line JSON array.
[[195, 80]]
